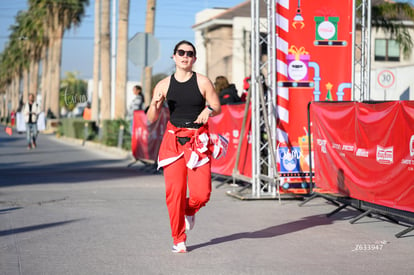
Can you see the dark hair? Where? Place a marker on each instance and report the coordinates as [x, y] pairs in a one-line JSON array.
[[221, 83], [138, 87], [184, 42]]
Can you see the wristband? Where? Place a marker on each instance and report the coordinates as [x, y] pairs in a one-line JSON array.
[[210, 109]]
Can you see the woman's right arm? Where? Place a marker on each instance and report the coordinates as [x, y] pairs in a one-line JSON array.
[[156, 101]]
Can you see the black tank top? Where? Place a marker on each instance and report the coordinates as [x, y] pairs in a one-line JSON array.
[[185, 102]]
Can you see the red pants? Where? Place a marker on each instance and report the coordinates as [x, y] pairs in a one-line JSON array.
[[199, 186]]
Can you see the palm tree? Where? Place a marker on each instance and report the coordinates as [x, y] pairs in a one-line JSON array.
[[96, 62], [15, 61], [390, 17], [58, 16], [122, 56], [72, 91], [105, 61], [35, 34], [19, 32]]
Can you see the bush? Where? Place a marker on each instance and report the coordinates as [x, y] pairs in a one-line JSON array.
[[110, 133], [75, 128]]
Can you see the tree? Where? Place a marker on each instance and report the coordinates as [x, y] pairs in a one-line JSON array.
[[105, 61], [149, 28], [96, 61], [157, 78], [390, 17], [122, 59], [72, 91], [57, 16]]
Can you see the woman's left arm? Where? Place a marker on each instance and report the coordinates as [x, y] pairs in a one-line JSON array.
[[213, 103]]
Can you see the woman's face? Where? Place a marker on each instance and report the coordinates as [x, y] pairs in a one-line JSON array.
[[184, 61]]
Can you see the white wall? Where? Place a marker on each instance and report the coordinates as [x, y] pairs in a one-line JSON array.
[[201, 64], [404, 79], [241, 51]]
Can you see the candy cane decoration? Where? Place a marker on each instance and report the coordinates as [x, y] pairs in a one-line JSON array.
[[282, 28]]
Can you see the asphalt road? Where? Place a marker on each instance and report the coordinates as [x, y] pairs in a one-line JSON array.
[[70, 209]]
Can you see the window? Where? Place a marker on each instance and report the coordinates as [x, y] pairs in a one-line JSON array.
[[387, 50]]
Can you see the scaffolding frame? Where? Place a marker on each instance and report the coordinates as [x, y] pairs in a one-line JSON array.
[[265, 178], [361, 54]]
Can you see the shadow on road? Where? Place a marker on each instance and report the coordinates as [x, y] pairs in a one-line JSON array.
[[34, 227], [56, 162], [273, 231], [7, 210], [13, 174]]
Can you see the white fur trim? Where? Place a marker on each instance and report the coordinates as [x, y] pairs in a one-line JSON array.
[[202, 162], [167, 161]]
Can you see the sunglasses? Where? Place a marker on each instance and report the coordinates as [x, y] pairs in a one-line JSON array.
[[182, 52]]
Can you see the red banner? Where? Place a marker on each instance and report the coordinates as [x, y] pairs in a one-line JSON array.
[[146, 138], [229, 124], [365, 151]]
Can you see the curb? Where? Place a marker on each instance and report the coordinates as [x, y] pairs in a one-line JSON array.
[[95, 145]]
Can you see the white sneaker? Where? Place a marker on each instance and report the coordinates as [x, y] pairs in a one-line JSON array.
[[189, 222], [179, 248]]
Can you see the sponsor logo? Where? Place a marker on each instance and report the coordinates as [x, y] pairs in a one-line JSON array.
[[385, 155], [407, 161], [336, 146], [349, 148], [412, 146], [289, 159], [322, 143], [362, 152], [297, 70], [326, 30]]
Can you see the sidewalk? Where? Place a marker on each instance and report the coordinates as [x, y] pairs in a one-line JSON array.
[[90, 214]]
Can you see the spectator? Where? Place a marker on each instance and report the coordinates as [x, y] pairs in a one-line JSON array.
[[31, 112], [246, 86], [87, 112], [227, 92], [12, 118], [136, 104], [138, 101]]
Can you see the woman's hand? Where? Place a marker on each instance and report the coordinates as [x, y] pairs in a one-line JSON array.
[[203, 116], [157, 100]]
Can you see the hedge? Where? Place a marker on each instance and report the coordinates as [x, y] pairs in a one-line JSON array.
[[107, 135]]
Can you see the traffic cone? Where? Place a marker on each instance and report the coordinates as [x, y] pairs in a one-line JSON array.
[[9, 131]]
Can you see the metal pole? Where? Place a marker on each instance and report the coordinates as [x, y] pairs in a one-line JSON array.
[[85, 133], [147, 72], [269, 134], [253, 87], [236, 173], [363, 51], [272, 93], [368, 43], [121, 136], [353, 50], [113, 60]]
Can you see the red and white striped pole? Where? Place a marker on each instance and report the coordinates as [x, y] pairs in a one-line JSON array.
[[282, 29]]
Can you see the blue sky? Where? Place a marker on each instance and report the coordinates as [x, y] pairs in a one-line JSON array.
[[173, 21]]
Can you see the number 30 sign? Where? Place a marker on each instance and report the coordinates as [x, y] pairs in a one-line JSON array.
[[386, 79]]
